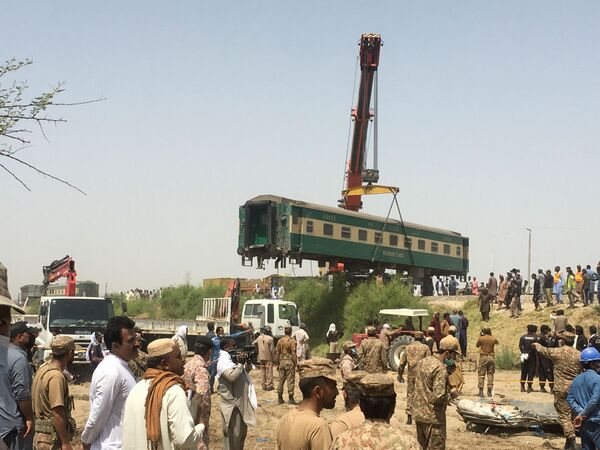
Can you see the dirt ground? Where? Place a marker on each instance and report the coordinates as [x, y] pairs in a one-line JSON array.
[[263, 435]]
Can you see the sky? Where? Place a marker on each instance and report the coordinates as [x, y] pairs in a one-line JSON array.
[[488, 123]]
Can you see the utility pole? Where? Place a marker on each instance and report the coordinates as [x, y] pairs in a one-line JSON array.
[[529, 259]]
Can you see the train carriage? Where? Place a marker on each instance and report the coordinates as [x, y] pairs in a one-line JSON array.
[[273, 227]]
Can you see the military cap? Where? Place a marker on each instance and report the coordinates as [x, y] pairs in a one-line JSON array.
[[348, 345], [376, 385], [567, 336], [161, 347], [5, 299], [448, 346], [316, 367], [355, 376], [63, 344], [371, 330], [418, 335]]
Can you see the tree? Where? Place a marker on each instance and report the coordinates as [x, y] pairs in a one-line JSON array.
[[18, 115]]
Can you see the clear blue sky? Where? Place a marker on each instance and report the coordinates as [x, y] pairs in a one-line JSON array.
[[488, 124]]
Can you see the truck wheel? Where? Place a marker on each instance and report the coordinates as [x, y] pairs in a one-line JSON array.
[[396, 349]]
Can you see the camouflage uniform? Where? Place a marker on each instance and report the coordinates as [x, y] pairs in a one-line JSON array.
[[372, 355], [375, 436], [346, 365], [429, 403], [566, 367], [139, 364], [285, 354], [197, 377], [411, 356]]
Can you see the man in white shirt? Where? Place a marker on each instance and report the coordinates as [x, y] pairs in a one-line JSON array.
[[111, 383], [157, 413]]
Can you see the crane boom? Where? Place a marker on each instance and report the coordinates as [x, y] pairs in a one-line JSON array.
[[64, 267], [370, 45]]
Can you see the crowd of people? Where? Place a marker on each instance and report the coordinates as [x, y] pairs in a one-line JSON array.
[[137, 293]]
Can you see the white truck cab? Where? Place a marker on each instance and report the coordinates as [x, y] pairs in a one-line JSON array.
[[76, 317], [276, 313]]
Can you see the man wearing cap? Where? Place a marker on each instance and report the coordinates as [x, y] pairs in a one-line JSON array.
[[197, 377], [9, 412], [266, 355], [52, 404], [377, 402], [529, 357], [286, 360], [302, 338], [485, 304], [412, 354], [430, 339], [156, 410], [584, 400], [347, 363], [487, 360], [372, 354], [385, 335], [432, 394], [566, 368], [302, 428], [353, 417], [20, 374], [111, 383]]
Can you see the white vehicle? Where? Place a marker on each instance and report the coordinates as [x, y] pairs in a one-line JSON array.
[[76, 317], [276, 313]]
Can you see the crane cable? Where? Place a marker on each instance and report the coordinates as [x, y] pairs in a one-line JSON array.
[[350, 126]]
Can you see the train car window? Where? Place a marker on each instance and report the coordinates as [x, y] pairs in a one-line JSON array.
[[362, 235], [295, 219], [421, 244], [346, 233], [446, 249], [408, 242], [434, 247], [378, 237], [458, 250], [328, 229], [309, 226], [394, 240]]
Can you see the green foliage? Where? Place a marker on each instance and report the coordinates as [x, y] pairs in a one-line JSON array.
[[365, 301], [507, 359], [33, 306]]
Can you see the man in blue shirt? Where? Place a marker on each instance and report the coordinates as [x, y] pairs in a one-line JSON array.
[[584, 400]]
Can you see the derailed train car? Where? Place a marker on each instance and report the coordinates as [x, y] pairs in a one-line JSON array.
[[282, 229]]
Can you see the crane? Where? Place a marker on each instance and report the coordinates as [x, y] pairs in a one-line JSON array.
[[356, 174], [64, 267]]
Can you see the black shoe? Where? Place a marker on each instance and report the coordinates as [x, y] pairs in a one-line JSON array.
[[529, 389], [409, 420], [291, 401], [480, 392], [522, 388], [543, 389], [489, 393], [280, 400], [570, 444]]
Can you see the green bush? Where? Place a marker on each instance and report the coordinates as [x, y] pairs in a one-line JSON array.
[[507, 359], [365, 301]]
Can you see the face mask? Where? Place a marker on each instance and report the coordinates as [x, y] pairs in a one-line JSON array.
[[4, 341], [448, 362], [353, 352]]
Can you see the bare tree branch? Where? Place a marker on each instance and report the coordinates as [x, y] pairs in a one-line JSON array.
[[15, 177]]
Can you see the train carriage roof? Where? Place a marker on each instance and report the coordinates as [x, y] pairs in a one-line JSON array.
[[279, 199]]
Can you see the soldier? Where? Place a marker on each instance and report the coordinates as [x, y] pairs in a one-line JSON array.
[[353, 417], [451, 337], [55, 428], [487, 360], [528, 357], [302, 428], [266, 353], [139, 364], [432, 394], [286, 360], [377, 402], [430, 339], [566, 368], [456, 378], [385, 335], [347, 364], [411, 356], [372, 353]]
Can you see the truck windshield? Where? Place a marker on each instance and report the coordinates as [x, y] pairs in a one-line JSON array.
[[289, 312], [69, 312]]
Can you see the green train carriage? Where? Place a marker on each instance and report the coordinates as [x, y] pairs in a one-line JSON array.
[[282, 229]]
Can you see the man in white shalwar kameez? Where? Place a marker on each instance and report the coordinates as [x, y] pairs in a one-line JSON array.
[[238, 397], [180, 338], [157, 414]]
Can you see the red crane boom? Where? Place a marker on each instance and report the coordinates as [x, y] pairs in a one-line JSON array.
[[370, 45], [61, 268]]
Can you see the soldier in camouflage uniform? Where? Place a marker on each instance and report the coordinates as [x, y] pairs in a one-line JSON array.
[[286, 360], [432, 394], [566, 368], [411, 356], [347, 364], [372, 353], [50, 398], [377, 402]]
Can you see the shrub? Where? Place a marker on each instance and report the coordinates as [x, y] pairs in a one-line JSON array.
[[507, 359]]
